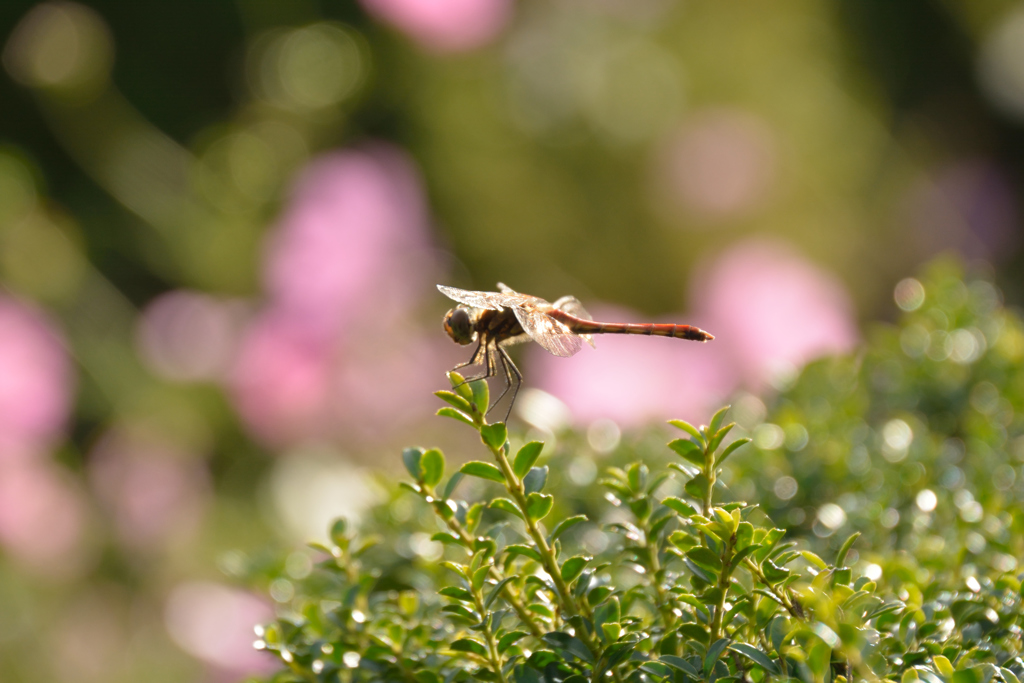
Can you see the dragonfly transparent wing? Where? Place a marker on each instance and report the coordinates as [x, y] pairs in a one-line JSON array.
[[555, 337], [572, 306], [489, 300]]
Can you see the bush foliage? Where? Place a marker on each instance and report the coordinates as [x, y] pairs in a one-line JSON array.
[[892, 476]]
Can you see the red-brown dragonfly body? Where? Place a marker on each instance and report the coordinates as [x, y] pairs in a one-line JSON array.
[[496, 320]]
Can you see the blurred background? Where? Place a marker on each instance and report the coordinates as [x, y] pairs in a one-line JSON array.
[[221, 224]]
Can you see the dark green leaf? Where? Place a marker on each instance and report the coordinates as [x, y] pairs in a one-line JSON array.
[[507, 640], [705, 558], [570, 644], [696, 487], [411, 460], [718, 437], [695, 632], [432, 467], [714, 652], [756, 656], [483, 470], [461, 611], [680, 664], [565, 525], [449, 488], [469, 645], [538, 505], [535, 479], [497, 590], [730, 449], [527, 457], [607, 612]]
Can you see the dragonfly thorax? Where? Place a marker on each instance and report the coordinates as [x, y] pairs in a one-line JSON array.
[[459, 326]]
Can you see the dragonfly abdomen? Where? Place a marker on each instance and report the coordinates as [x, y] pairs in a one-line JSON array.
[[581, 326]]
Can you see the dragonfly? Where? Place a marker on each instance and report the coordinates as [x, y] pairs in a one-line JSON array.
[[497, 320]]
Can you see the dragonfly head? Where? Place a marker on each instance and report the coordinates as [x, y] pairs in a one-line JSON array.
[[459, 327]]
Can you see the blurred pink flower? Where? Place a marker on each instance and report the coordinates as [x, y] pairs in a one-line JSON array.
[[968, 207], [636, 379], [188, 336], [42, 516], [35, 381], [349, 241], [215, 623], [155, 492], [280, 382], [346, 270], [720, 163], [772, 311], [445, 25]]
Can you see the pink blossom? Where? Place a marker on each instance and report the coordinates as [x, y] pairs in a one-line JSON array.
[[154, 491], [772, 311], [445, 25], [42, 516], [35, 381], [215, 623], [349, 240], [338, 349], [280, 382]]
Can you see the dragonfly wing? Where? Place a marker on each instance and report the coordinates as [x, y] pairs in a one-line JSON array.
[[555, 337], [572, 306], [505, 289], [489, 300]]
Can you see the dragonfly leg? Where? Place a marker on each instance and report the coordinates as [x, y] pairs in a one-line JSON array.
[[513, 377], [480, 356]]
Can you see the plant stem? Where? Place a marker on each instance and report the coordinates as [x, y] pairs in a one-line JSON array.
[[493, 657]]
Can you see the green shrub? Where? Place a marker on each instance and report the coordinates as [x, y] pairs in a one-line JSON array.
[[897, 471]]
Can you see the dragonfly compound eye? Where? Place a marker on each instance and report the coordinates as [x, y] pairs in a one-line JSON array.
[[459, 327]]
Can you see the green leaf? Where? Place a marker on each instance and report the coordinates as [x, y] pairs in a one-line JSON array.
[[688, 450], [479, 576], [526, 457], [449, 488], [565, 525], [730, 449], [719, 436], [460, 386], [497, 590], [456, 593], [696, 487], [509, 639], [608, 612], [473, 515], [432, 466], [535, 479], [693, 632], [572, 567], [481, 395], [813, 559], [689, 429], [454, 400], [716, 649], [680, 664], [845, 548], [411, 459], [506, 505], [538, 505], [679, 505], [517, 549], [756, 656], [456, 415], [716, 420], [570, 644], [469, 645], [637, 476], [494, 435], [483, 470]]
